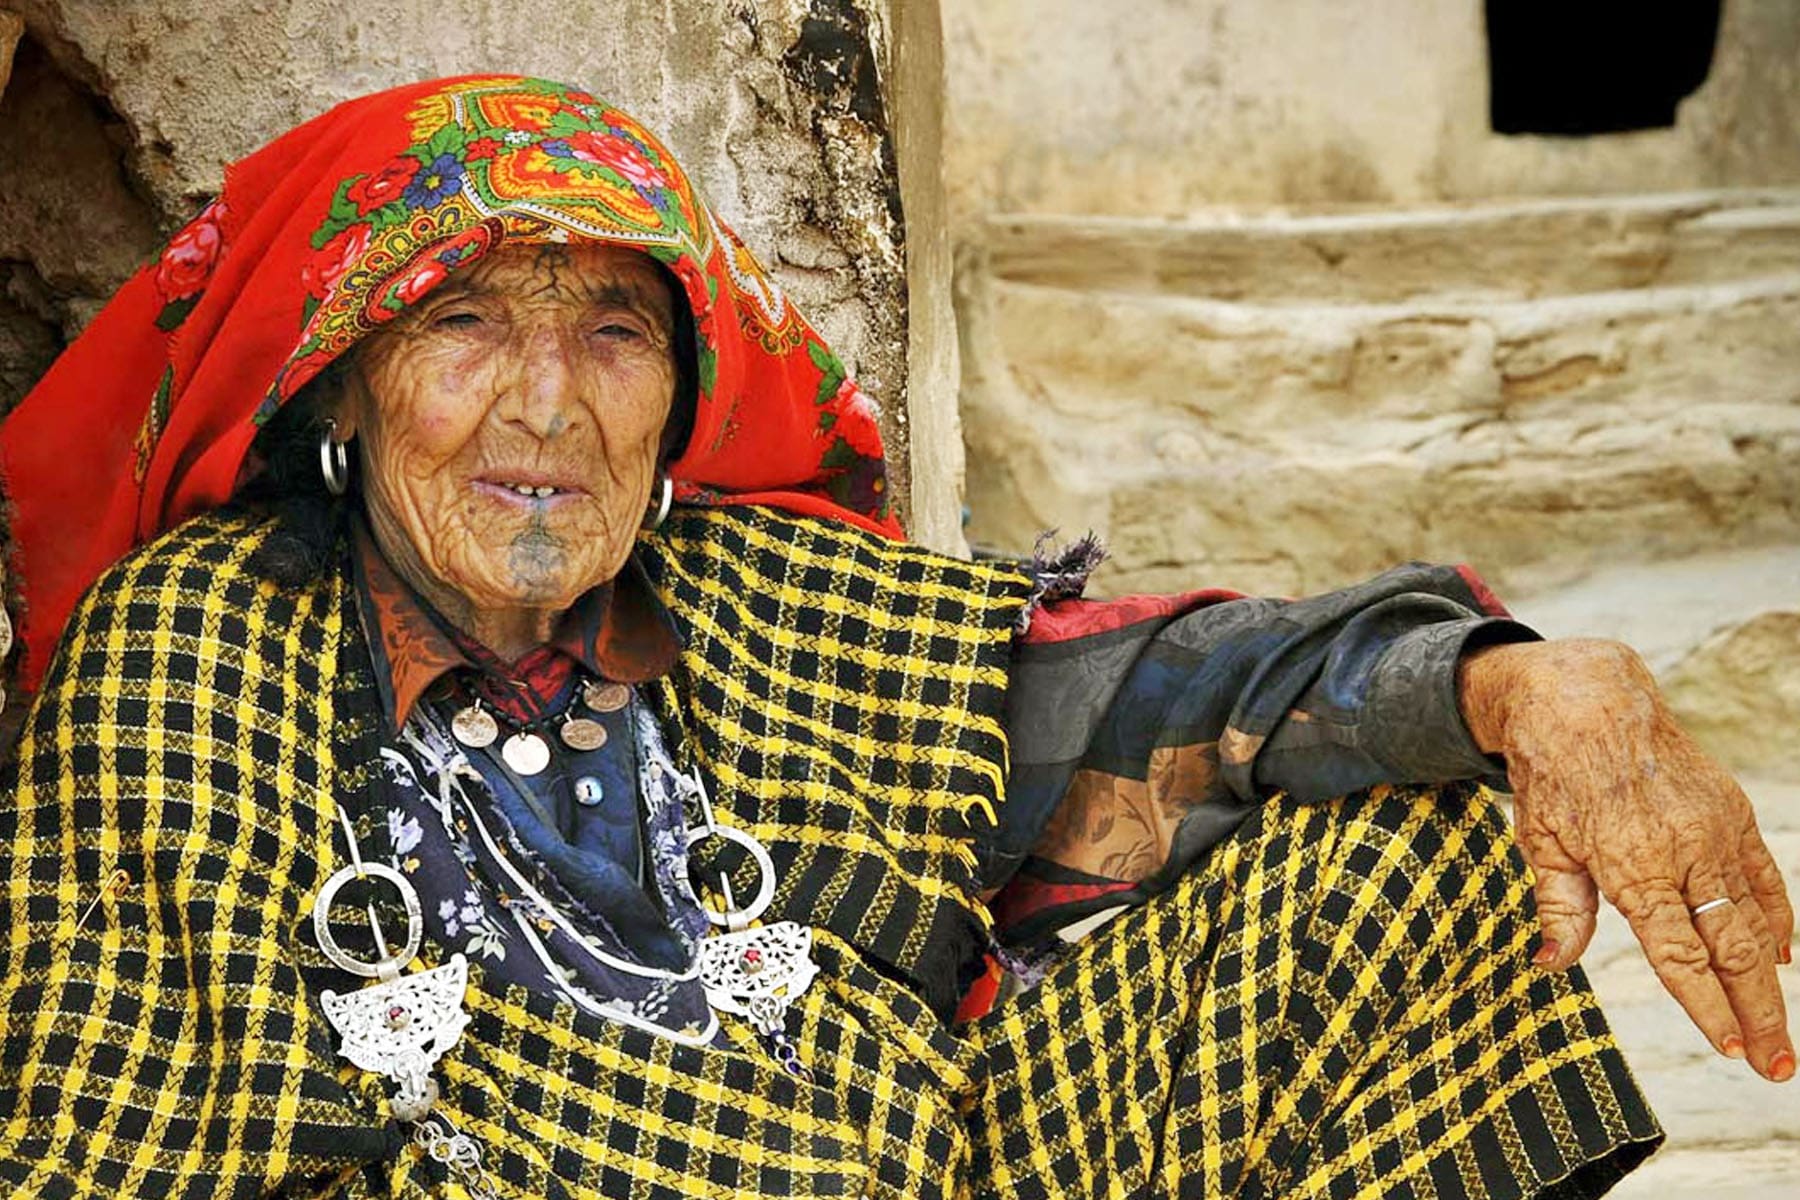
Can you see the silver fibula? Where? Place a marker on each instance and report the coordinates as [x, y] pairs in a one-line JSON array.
[[583, 733], [474, 726], [757, 973], [401, 1028], [605, 697], [526, 753]]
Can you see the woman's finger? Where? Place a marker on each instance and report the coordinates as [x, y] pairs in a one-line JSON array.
[[1764, 877], [1739, 952], [1738, 888], [1659, 917], [1568, 904], [1568, 900]]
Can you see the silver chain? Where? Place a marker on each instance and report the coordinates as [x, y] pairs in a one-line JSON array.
[[457, 1151]]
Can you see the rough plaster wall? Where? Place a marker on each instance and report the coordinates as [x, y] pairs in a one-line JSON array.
[[1060, 106], [777, 109]]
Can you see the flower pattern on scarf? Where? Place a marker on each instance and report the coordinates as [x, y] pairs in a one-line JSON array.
[[188, 262]]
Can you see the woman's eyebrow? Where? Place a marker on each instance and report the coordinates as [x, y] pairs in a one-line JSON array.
[[619, 293], [623, 294]]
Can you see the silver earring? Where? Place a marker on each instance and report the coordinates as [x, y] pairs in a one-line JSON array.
[[334, 460], [653, 519]]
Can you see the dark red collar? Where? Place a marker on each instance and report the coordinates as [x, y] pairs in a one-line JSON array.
[[618, 631]]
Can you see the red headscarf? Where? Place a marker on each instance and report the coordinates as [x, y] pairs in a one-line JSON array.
[[331, 231]]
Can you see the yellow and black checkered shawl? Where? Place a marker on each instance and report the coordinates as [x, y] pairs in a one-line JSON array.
[[1338, 1002], [200, 725]]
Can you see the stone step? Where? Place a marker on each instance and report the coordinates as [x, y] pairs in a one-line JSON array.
[[1522, 249], [1308, 427], [1398, 374]]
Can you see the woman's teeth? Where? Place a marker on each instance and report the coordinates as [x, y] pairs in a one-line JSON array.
[[525, 489]]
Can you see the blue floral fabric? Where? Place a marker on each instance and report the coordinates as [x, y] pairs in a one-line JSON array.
[[536, 887]]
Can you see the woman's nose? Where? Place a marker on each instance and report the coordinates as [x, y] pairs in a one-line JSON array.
[[547, 382]]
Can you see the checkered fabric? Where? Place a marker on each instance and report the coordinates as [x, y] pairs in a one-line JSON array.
[[1339, 1003], [845, 692], [1336, 1003], [165, 1045]]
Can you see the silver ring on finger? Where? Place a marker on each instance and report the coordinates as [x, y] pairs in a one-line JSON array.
[[1710, 905]]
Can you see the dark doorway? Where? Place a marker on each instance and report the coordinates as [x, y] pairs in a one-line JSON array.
[[1577, 67]]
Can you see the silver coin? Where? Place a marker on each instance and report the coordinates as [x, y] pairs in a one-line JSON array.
[[589, 791], [475, 726], [579, 733], [605, 697], [526, 753]]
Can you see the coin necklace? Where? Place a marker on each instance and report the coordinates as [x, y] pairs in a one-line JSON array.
[[526, 751], [751, 970]]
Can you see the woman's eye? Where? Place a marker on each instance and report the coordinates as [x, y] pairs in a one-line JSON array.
[[614, 329], [456, 320]]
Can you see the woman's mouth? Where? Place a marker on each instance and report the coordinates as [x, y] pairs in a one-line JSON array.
[[528, 489]]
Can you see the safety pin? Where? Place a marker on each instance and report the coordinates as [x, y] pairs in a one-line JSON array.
[[115, 883]]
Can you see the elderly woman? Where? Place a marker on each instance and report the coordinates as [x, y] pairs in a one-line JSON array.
[[424, 804]]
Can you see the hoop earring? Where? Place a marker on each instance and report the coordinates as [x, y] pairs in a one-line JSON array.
[[654, 518], [334, 460]]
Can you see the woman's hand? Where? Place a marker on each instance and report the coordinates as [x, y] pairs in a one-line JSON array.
[[1613, 798]]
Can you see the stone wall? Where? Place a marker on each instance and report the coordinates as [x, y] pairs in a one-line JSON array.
[[121, 115], [1158, 107]]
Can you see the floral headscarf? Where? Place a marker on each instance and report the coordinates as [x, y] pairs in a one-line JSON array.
[[334, 229]]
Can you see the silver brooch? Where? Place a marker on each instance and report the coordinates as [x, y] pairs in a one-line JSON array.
[[402, 1024], [754, 971]]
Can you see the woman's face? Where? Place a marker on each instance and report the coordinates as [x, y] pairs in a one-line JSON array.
[[508, 425]]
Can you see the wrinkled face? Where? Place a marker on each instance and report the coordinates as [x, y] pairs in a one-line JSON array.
[[508, 424]]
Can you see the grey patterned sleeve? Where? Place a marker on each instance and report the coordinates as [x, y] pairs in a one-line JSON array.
[[1384, 706]]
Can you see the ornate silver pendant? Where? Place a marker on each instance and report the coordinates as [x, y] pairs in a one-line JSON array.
[[605, 697], [401, 1027], [757, 973], [475, 727], [581, 733], [526, 753]]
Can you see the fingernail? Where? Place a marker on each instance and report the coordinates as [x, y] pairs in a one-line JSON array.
[[1784, 955], [1733, 1047], [1781, 1067], [1546, 954]]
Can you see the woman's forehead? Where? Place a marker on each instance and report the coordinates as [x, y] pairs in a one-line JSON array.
[[553, 273]]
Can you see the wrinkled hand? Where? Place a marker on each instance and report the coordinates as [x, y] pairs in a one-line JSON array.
[[1613, 797]]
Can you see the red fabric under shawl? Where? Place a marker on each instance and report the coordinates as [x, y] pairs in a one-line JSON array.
[[334, 229]]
